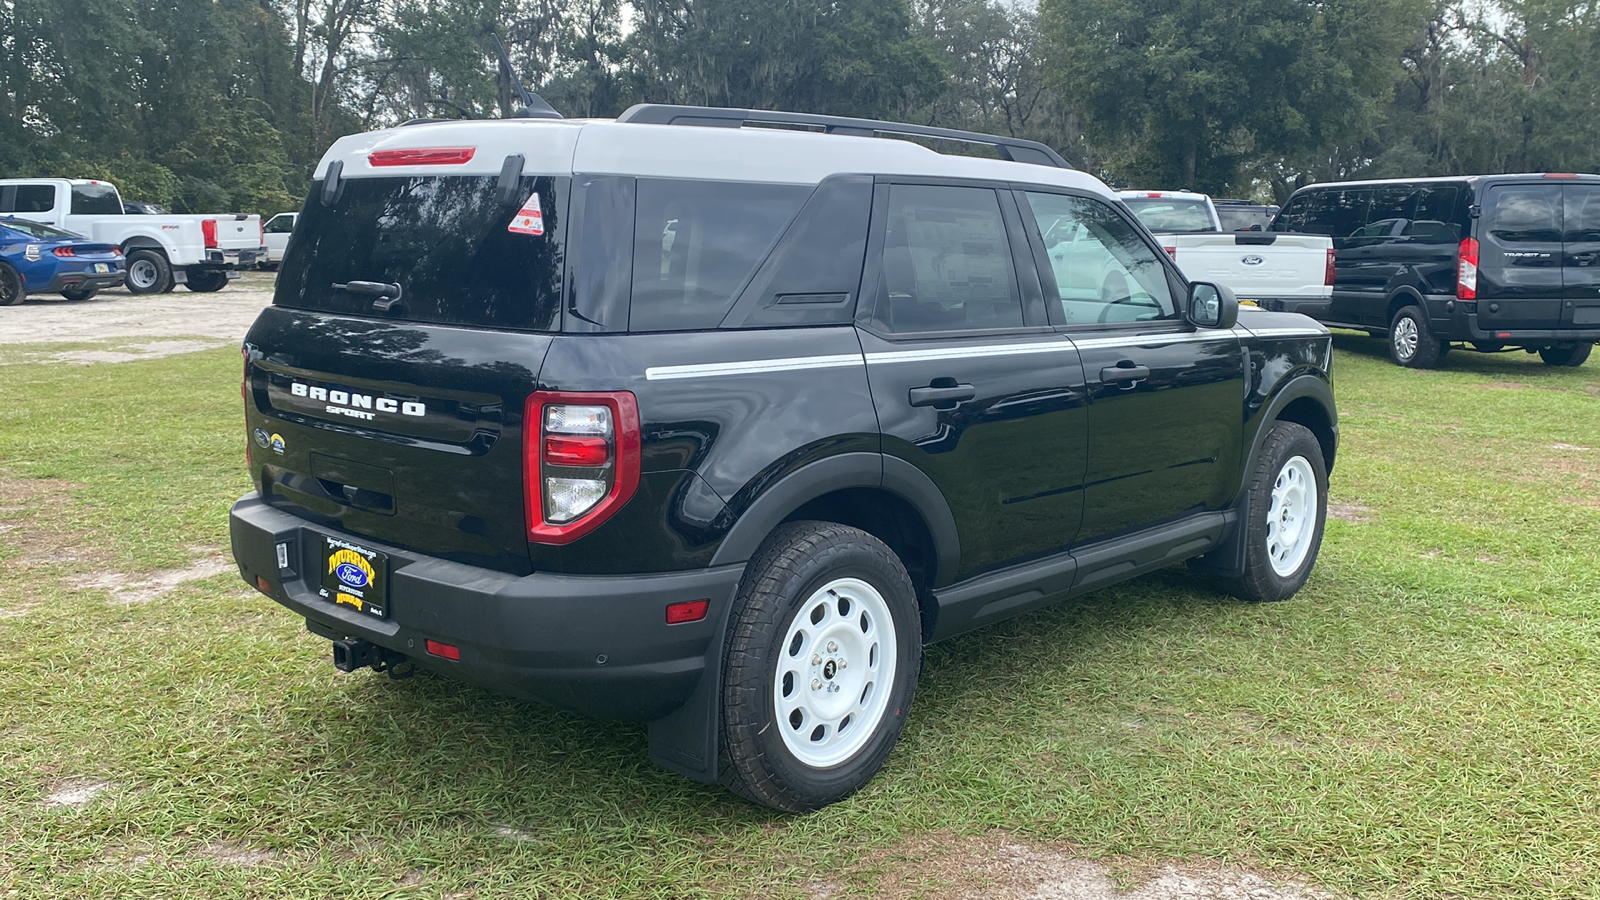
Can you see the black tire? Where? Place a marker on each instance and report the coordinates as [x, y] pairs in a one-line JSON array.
[[785, 579], [12, 293], [205, 281], [148, 272], [1566, 356], [1263, 582], [1410, 343], [78, 295]]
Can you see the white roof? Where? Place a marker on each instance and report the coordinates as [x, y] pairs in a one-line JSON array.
[[605, 147]]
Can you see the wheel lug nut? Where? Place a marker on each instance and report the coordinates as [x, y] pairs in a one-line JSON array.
[[832, 646], [816, 684], [844, 664], [816, 660]]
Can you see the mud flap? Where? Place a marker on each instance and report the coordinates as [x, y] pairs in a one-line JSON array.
[[688, 741]]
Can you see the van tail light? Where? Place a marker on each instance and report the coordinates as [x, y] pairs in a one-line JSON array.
[[580, 461], [1327, 270], [208, 230], [1467, 271]]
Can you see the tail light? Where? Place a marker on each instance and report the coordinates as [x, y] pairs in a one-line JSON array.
[[208, 230], [244, 394], [580, 461], [1467, 271], [1327, 270], [64, 251], [261, 232], [1172, 252]]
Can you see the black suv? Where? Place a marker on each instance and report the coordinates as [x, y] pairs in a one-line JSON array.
[[715, 427], [1493, 261]]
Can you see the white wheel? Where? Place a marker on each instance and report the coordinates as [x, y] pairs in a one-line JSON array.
[[834, 674], [1292, 517]]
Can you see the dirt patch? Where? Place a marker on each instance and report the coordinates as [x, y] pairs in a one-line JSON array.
[[223, 316], [514, 834], [76, 793], [1349, 512], [34, 534], [21, 609], [128, 590], [131, 353], [1505, 386], [998, 867], [234, 853]]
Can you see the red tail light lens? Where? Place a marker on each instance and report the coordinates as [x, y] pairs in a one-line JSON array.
[[443, 651], [580, 461], [208, 230], [1172, 252], [64, 251], [1327, 271], [1467, 271], [422, 156], [687, 611]]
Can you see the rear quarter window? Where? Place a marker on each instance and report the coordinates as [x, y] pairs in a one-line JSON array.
[[444, 240]]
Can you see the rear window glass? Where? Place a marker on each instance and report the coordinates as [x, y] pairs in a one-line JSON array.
[[95, 200], [1244, 218], [1525, 215], [444, 241], [696, 243], [1173, 215]]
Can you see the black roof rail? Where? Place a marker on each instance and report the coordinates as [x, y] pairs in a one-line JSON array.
[[1014, 149]]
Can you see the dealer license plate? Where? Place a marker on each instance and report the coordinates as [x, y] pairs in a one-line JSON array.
[[101, 268], [353, 576]]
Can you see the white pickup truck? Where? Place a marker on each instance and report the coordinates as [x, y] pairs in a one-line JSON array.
[[1287, 272], [200, 252]]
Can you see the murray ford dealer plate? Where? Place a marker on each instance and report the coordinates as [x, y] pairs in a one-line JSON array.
[[353, 576]]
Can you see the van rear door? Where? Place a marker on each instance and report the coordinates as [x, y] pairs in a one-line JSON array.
[[1520, 257], [386, 382], [1580, 270]]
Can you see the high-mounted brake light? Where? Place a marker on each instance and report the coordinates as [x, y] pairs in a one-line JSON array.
[[1327, 270], [1153, 194], [422, 156], [1467, 271], [580, 461], [1561, 175], [208, 230]]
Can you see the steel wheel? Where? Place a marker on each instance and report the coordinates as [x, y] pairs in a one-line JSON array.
[[143, 274], [1405, 337], [835, 672], [1292, 516]]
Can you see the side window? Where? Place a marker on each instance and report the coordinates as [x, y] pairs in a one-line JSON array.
[[1293, 216], [1521, 214], [36, 198], [1337, 214], [280, 224], [947, 265], [95, 200], [1582, 217], [1434, 220], [697, 242], [1104, 272], [1393, 207]]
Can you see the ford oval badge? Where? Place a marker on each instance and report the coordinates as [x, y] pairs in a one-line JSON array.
[[351, 575], [1252, 260]]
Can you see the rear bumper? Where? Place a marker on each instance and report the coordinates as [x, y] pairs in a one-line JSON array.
[[229, 259], [595, 645], [1461, 325], [1315, 307], [64, 281]]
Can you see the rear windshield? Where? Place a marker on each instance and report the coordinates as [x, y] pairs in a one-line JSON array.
[[445, 241], [1171, 215], [1243, 218]]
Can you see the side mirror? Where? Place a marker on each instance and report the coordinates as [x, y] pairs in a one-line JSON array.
[[1212, 305]]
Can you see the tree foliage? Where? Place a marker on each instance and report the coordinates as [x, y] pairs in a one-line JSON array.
[[226, 104]]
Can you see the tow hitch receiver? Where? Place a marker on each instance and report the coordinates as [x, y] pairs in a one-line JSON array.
[[352, 654]]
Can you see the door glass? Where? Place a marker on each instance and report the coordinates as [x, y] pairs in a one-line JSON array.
[[1434, 220], [280, 224], [1337, 214], [946, 262], [36, 198], [1104, 272], [1389, 213], [1582, 219], [1525, 215]]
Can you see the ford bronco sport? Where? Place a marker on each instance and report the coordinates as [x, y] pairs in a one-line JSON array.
[[714, 428]]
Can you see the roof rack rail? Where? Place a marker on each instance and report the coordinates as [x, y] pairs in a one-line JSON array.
[[1014, 149]]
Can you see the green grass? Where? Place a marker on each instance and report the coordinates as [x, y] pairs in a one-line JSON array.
[[1422, 721]]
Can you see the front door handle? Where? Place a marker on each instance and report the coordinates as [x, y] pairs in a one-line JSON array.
[[1122, 373], [942, 394]]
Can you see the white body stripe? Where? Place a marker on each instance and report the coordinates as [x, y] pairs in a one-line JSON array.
[[752, 367]]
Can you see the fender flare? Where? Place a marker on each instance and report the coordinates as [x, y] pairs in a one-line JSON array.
[[1408, 296], [835, 473], [1227, 559], [145, 242]]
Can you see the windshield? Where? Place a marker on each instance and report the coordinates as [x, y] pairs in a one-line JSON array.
[[1168, 214], [446, 242], [34, 229]]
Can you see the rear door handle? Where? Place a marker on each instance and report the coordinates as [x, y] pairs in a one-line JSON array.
[[1119, 374], [940, 396]]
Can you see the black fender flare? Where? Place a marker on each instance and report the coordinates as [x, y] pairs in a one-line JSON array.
[[1227, 559], [1407, 295], [835, 473]]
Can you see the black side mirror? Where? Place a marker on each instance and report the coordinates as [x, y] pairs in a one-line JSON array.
[[1212, 305]]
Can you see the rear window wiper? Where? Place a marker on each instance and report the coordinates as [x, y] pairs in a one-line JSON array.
[[388, 293]]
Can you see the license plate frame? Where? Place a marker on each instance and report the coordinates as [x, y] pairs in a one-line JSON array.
[[102, 269], [354, 577]]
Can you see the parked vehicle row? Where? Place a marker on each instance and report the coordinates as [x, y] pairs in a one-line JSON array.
[[1493, 262], [201, 252]]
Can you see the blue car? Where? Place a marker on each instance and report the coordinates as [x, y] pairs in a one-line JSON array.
[[40, 259]]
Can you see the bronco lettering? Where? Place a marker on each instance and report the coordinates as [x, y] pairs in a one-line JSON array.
[[345, 402]]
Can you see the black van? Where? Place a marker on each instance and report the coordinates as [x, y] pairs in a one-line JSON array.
[[1492, 261]]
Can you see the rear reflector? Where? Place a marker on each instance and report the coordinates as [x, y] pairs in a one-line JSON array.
[[444, 651], [687, 611], [422, 156], [1503, 335], [264, 586]]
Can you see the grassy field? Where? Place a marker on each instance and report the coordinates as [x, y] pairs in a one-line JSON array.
[[1422, 721]]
